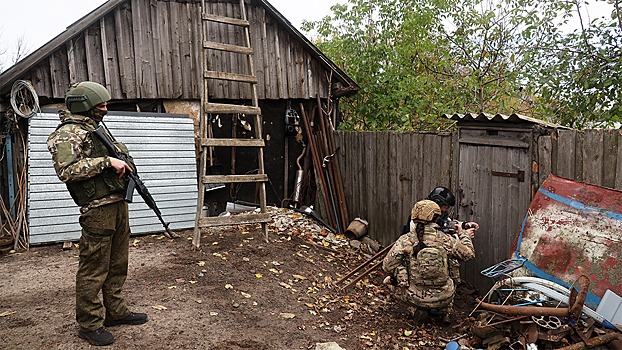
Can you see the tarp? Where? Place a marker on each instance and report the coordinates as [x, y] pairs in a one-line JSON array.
[[574, 229]]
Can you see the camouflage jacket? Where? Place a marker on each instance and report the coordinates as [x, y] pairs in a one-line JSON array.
[[71, 146], [424, 276]]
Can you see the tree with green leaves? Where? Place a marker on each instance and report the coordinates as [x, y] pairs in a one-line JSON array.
[[418, 59]]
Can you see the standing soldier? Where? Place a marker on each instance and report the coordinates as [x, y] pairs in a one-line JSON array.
[[97, 184], [419, 262]]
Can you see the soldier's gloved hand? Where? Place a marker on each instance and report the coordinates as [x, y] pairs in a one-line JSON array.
[[120, 166], [402, 278]]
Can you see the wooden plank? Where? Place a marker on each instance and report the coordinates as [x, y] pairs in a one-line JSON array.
[[230, 76], [235, 60], [281, 79], [291, 76], [271, 66], [227, 48], [215, 179], [265, 55], [176, 70], [59, 73], [40, 78], [235, 219], [233, 143], [162, 48], [94, 58], [227, 20], [393, 182], [494, 142], [545, 150], [610, 157], [566, 153], [185, 50], [125, 52], [227, 108], [255, 43], [111, 59], [593, 157], [382, 185]]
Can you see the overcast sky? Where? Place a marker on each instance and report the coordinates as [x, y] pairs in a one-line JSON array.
[[41, 20]]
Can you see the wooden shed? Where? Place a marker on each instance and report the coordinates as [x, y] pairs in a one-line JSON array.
[[148, 54]]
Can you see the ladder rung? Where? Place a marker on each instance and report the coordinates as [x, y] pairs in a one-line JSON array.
[[216, 179], [233, 143], [227, 47], [223, 108], [227, 20], [231, 76], [235, 219]]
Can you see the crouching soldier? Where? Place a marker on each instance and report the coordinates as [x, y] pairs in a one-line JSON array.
[[418, 261]]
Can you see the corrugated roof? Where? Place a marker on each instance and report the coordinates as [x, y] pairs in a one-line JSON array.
[[501, 118]]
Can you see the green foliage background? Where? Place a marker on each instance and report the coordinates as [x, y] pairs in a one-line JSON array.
[[418, 59]]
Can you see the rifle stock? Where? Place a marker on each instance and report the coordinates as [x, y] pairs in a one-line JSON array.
[[134, 180]]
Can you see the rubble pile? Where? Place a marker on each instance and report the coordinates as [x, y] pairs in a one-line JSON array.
[[534, 313]]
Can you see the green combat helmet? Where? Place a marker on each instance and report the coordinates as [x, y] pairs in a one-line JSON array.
[[84, 96]]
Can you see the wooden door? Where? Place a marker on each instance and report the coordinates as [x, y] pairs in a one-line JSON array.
[[493, 190]]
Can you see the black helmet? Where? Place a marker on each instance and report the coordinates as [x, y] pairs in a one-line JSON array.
[[442, 196]]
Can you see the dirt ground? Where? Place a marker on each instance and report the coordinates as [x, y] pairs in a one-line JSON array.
[[237, 292]]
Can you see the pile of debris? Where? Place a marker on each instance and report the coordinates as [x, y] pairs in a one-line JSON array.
[[534, 313]]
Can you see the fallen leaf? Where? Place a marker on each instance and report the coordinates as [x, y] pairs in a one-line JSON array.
[[199, 301], [215, 243], [408, 333], [192, 282], [273, 270], [135, 243], [159, 307], [180, 280], [7, 313], [213, 313], [217, 254], [244, 232], [201, 263], [285, 285], [172, 287], [228, 286], [246, 295], [287, 315], [298, 277]]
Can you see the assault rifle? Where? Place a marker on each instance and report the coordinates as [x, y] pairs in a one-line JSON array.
[[134, 181]]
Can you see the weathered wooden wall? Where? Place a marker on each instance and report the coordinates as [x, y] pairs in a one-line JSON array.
[[385, 173], [152, 49], [592, 156]]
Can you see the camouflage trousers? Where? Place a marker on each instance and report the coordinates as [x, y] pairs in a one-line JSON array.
[[104, 248]]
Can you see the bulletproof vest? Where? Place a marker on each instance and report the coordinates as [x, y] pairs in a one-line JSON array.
[[429, 267], [102, 185]]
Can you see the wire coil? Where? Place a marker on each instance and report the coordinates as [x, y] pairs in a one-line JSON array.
[[24, 99]]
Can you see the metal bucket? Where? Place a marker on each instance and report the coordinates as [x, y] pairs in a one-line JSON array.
[[356, 229]]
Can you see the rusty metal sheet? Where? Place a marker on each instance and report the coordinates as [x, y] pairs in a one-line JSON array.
[[574, 229]]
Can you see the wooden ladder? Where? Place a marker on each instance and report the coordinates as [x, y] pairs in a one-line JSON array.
[[208, 142]]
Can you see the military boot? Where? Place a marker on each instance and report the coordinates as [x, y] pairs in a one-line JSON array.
[[98, 337], [131, 318]]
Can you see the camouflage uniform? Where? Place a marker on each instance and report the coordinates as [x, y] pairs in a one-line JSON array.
[[82, 163], [423, 278]]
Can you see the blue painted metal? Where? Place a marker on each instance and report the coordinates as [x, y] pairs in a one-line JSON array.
[[10, 174], [574, 229]]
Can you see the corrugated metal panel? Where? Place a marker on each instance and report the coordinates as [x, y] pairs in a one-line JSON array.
[[162, 147], [497, 118], [574, 229]]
